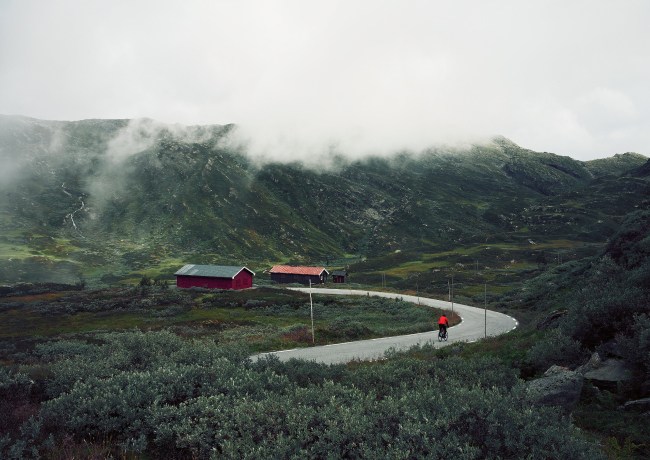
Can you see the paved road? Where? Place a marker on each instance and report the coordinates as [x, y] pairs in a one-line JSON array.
[[471, 328]]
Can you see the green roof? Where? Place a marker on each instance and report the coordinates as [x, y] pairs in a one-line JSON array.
[[213, 271]]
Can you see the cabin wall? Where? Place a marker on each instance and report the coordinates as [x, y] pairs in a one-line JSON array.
[[243, 280], [284, 278]]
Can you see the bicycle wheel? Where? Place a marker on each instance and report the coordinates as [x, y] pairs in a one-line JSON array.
[[440, 336]]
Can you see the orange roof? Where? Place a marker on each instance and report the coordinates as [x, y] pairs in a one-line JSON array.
[[298, 270]]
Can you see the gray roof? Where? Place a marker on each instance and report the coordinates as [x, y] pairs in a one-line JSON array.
[[339, 273], [213, 271]]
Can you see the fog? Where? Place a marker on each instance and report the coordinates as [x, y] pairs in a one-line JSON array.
[[305, 80]]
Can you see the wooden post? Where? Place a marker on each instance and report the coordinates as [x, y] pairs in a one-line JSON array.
[[486, 311], [311, 303], [452, 297]]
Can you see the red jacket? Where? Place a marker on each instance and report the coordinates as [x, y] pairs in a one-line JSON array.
[[443, 320]]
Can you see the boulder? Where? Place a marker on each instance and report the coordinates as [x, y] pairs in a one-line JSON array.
[[609, 373], [551, 320], [594, 363], [639, 404], [561, 388], [554, 369]]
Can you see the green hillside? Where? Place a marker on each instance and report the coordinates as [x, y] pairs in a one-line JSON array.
[[97, 197]]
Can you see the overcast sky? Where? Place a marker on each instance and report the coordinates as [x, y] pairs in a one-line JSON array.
[[568, 77]]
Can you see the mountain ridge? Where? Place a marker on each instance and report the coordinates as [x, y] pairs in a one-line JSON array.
[[130, 194]]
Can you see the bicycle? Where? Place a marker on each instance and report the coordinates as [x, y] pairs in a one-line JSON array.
[[442, 335]]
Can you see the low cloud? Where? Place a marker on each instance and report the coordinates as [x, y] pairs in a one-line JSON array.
[[304, 79]]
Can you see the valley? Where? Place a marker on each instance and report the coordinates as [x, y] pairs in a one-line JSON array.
[[97, 215]]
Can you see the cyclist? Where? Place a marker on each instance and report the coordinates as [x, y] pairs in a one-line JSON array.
[[443, 324]]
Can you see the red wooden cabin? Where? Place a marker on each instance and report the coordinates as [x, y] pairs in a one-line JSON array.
[[288, 274], [214, 277]]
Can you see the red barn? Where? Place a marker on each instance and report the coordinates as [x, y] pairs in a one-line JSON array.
[[214, 277], [288, 274]]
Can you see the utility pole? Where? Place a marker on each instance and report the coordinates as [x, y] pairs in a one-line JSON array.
[[452, 297], [417, 290], [486, 311], [448, 291], [313, 340]]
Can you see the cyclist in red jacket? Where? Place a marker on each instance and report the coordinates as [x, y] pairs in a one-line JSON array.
[[443, 324]]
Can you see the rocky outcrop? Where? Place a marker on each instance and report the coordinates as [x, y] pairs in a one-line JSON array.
[[555, 369], [561, 387], [594, 363], [610, 370], [605, 374], [639, 404]]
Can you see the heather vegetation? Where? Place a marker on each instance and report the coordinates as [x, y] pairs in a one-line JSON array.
[[157, 394], [267, 318]]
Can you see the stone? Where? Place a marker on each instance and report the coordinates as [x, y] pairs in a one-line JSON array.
[[562, 389], [593, 363], [554, 369], [640, 404], [611, 370]]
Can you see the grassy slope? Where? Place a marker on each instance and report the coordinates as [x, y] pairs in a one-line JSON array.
[[186, 197]]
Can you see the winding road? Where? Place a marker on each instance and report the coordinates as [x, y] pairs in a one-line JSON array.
[[472, 327]]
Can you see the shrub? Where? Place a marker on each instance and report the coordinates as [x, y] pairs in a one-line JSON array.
[[297, 332], [145, 281], [491, 297], [349, 328], [253, 303], [62, 349], [556, 348], [158, 392], [607, 304], [636, 346]]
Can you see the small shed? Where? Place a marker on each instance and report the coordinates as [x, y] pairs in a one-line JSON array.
[[287, 274], [339, 276], [214, 277]]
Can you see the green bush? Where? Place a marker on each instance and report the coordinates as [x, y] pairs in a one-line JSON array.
[[636, 346], [607, 304], [160, 393], [52, 351], [491, 297], [157, 392], [556, 348]]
